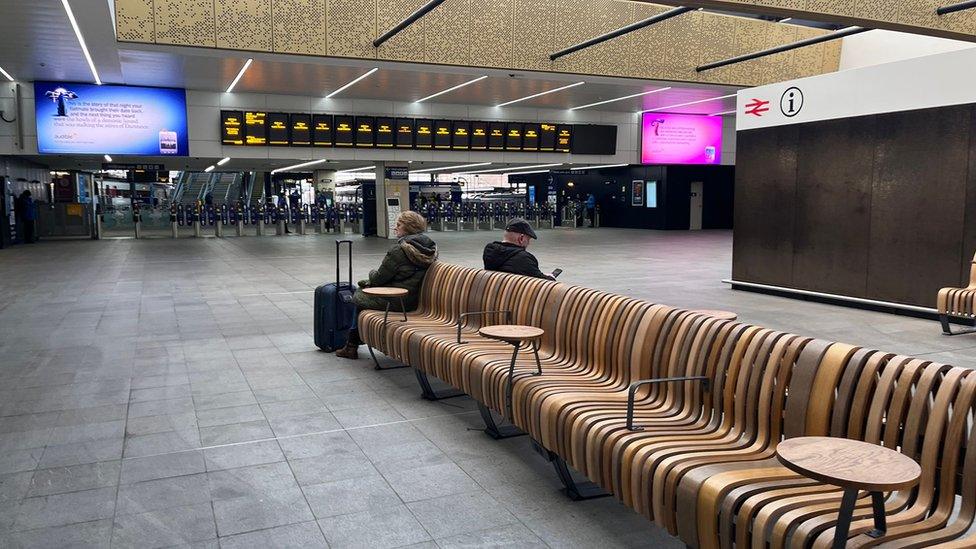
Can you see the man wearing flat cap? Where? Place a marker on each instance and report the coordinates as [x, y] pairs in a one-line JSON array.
[[510, 255]]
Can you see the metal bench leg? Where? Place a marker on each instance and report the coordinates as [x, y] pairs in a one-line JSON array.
[[577, 491], [427, 392], [947, 330], [495, 431]]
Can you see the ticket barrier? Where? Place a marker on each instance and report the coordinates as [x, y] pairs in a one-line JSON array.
[[137, 220], [485, 218]]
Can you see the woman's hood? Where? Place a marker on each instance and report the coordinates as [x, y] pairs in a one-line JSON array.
[[419, 249]]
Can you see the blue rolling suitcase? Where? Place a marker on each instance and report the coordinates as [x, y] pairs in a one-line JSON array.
[[334, 309]]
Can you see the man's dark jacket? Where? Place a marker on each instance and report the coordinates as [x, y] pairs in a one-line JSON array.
[[511, 258]]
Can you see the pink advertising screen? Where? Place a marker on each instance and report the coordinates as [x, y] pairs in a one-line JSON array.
[[680, 138]]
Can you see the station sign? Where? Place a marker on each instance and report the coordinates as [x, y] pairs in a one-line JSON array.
[[397, 173], [143, 167]]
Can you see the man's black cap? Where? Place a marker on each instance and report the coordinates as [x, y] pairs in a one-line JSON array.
[[519, 225]]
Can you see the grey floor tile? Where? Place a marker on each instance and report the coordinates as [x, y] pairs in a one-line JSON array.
[[512, 535], [242, 455], [233, 433], [161, 407], [249, 513], [305, 535], [61, 509], [360, 417], [81, 452], [386, 527], [460, 514], [255, 480], [20, 460], [160, 443], [430, 482], [160, 393], [166, 527], [74, 478], [149, 425], [400, 457], [280, 394], [350, 496], [319, 469], [278, 409], [323, 444], [162, 466], [304, 424], [153, 495], [95, 534], [227, 416], [223, 400]]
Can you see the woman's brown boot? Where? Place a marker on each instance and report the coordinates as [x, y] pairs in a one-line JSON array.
[[349, 351]]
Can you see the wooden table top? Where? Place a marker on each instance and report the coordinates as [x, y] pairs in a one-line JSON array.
[[849, 463], [724, 315], [511, 332], [385, 292]]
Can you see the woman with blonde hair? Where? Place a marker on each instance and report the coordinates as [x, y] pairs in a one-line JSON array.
[[404, 266]]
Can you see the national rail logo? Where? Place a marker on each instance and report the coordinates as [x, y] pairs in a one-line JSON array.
[[757, 107]]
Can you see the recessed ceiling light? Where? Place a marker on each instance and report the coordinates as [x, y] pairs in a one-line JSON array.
[[363, 169], [688, 103], [223, 161], [448, 90], [6, 74], [619, 98], [107, 158], [723, 113], [357, 79], [514, 168], [787, 20], [534, 95], [451, 167], [302, 165], [81, 41], [239, 75], [209, 169], [598, 167]]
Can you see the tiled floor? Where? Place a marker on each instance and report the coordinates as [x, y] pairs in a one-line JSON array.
[[158, 393]]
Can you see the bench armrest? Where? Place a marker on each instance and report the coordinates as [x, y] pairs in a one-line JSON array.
[[632, 392], [462, 316]]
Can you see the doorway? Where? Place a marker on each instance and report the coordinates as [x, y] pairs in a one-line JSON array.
[[697, 203]]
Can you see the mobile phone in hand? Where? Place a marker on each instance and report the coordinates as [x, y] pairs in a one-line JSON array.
[[556, 273]]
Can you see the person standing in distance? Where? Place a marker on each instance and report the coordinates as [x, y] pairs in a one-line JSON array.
[[510, 255]]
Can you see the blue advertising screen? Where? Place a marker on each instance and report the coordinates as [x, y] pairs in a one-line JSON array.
[[85, 118]]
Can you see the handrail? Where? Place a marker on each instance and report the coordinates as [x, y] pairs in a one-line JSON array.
[[462, 316], [632, 392]]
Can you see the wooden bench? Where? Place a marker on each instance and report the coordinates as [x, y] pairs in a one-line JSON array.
[[958, 302], [678, 414]]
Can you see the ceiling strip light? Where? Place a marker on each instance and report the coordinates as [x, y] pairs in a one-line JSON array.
[[451, 167], [81, 40], [598, 167], [302, 165], [688, 103], [463, 84], [239, 75], [619, 99], [513, 168], [554, 90], [107, 157], [357, 79], [208, 169], [723, 113], [6, 74], [352, 170], [223, 161], [527, 173]]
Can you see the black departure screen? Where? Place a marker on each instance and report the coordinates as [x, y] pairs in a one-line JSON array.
[[594, 139], [344, 126], [404, 133], [384, 131], [442, 134], [462, 134], [301, 129], [425, 134], [365, 131], [564, 138], [547, 137], [530, 137], [278, 128], [496, 136], [513, 136], [322, 130], [232, 127], [479, 135], [255, 128]]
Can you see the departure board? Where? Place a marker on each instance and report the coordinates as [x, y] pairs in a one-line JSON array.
[[479, 136], [322, 130], [404, 133], [442, 134], [496, 136], [530, 137], [255, 128], [231, 127], [384, 132], [365, 131], [547, 137], [564, 138], [425, 134], [462, 135], [301, 129], [343, 130], [513, 136], [278, 128]]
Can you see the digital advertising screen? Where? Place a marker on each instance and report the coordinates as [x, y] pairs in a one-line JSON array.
[[278, 128], [90, 119], [680, 138], [301, 129], [232, 127], [322, 130], [404, 135]]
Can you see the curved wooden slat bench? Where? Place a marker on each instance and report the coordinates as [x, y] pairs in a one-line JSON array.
[[678, 414], [958, 302]]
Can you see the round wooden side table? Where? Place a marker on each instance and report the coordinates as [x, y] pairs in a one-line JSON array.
[[722, 315], [388, 295], [515, 335], [852, 465]]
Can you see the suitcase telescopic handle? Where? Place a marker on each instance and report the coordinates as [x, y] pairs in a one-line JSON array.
[[339, 244]]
